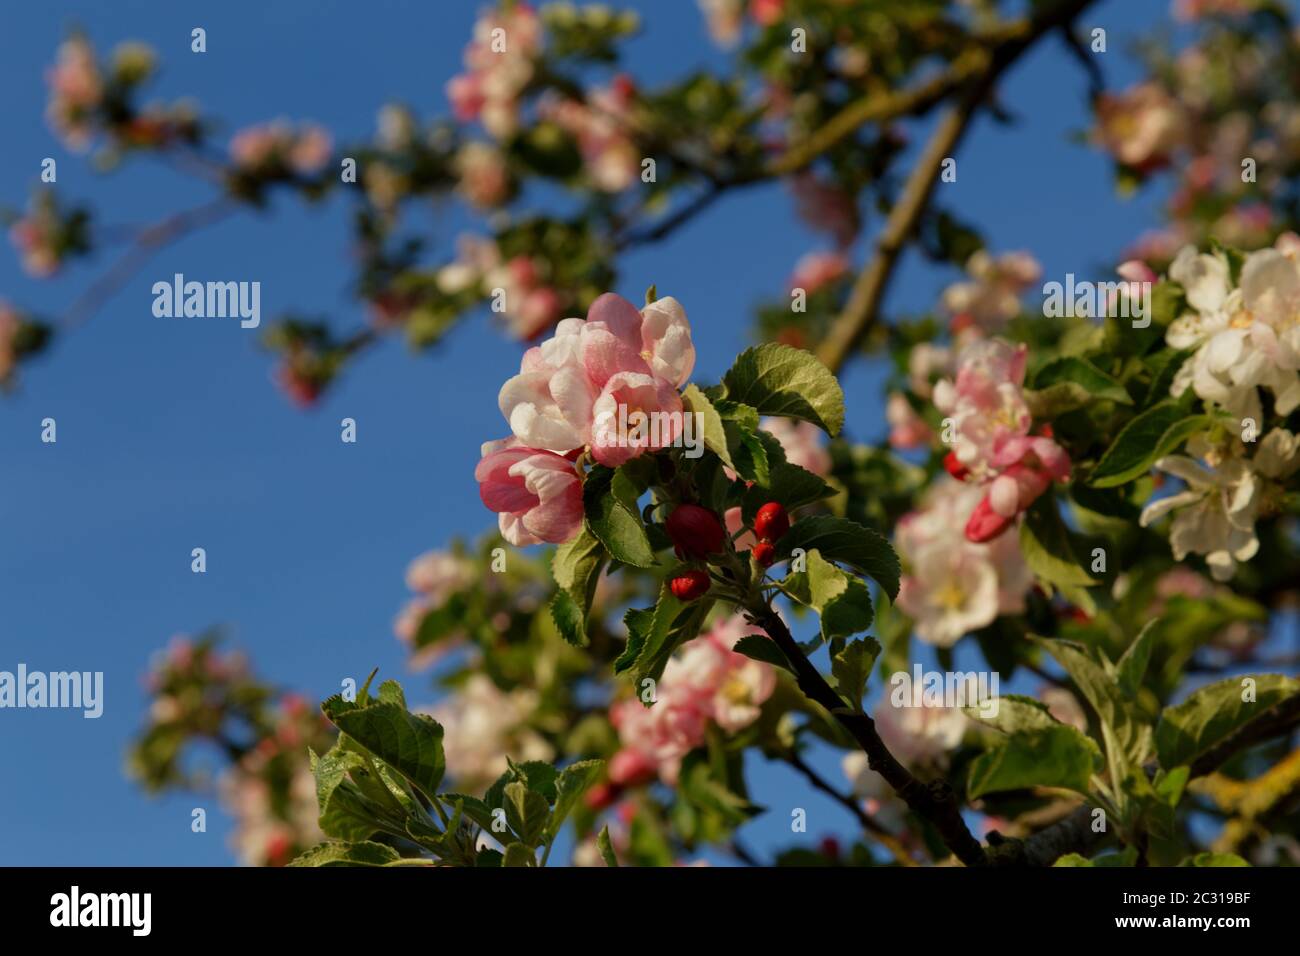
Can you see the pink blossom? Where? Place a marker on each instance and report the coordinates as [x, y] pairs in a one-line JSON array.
[[601, 126], [76, 90], [991, 296], [484, 174], [986, 402], [616, 435], [537, 493], [498, 66], [268, 147], [818, 269], [990, 423], [1140, 127], [907, 429], [766, 12], [34, 238], [707, 682], [826, 207], [1136, 273], [618, 360], [952, 585]]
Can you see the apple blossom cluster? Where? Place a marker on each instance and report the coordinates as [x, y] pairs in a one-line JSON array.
[[86, 101], [992, 444], [271, 790], [499, 64], [203, 694], [706, 683], [484, 173], [47, 236], [1245, 338], [726, 18], [434, 577], [280, 150], [532, 304], [610, 157], [483, 725], [954, 585], [1212, 117], [566, 399], [1225, 493], [990, 298]]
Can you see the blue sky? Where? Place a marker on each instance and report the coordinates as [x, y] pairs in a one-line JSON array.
[[172, 436]]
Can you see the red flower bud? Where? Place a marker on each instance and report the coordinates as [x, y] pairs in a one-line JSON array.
[[771, 523], [764, 553], [696, 532], [602, 795], [985, 524], [955, 467], [690, 585]]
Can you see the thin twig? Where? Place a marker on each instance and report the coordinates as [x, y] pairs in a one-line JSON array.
[[142, 249], [868, 823], [935, 801]]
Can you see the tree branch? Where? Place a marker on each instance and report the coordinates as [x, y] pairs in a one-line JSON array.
[[934, 801], [977, 77]]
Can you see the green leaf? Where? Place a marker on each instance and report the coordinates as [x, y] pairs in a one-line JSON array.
[[1214, 859], [838, 539], [609, 502], [638, 622], [851, 669], [1164, 366], [1132, 666], [842, 601], [390, 692], [537, 775], [751, 456], [527, 812], [518, 855], [671, 624], [474, 808], [776, 379], [344, 811], [1015, 713], [569, 619], [573, 781], [1126, 732], [576, 567], [1151, 435], [759, 647], [1213, 713], [788, 484], [1126, 858], [1069, 383], [364, 853], [1049, 548], [1053, 756], [409, 743], [715, 436], [606, 847]]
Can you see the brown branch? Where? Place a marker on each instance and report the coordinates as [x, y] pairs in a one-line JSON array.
[[977, 77], [869, 289], [142, 249], [935, 801]]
